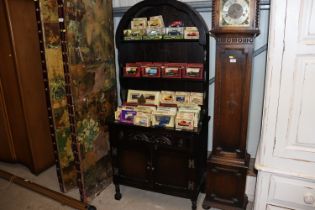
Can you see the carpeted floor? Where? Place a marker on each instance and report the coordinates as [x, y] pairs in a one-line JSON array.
[[14, 197]]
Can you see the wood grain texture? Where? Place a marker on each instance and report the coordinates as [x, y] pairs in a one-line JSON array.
[[23, 88], [229, 161]]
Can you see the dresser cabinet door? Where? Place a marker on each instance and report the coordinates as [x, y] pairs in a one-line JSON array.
[[295, 126], [173, 163], [134, 162], [171, 169], [131, 152]]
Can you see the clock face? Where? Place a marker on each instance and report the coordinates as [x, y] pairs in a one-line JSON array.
[[234, 13]]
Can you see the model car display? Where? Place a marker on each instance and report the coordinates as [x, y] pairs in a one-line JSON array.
[[139, 23], [127, 116], [174, 33], [167, 97], [152, 70], [191, 33], [173, 70], [193, 71], [131, 70], [156, 22], [154, 33], [177, 23], [133, 34], [184, 121]]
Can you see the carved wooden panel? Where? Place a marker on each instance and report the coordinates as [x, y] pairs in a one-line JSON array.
[[227, 184]]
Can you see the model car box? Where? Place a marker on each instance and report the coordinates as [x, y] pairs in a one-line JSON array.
[[195, 110], [193, 71], [152, 70], [139, 23], [184, 121], [156, 22], [142, 97], [182, 97], [145, 109], [120, 108], [163, 119], [132, 70], [196, 98], [167, 98], [191, 33], [127, 116], [142, 119], [173, 70], [168, 110], [174, 33], [154, 33], [133, 34]]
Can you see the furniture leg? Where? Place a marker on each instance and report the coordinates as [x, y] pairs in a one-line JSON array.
[[117, 194], [193, 204]]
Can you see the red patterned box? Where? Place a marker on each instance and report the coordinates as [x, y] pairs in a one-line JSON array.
[[173, 70], [151, 70], [193, 71], [132, 70]]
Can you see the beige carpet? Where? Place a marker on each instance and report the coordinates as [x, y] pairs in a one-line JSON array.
[[14, 197]]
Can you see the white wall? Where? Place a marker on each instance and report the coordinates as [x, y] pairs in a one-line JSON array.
[[258, 75]]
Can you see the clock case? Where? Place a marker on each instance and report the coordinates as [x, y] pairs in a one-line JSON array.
[[251, 29], [228, 163]]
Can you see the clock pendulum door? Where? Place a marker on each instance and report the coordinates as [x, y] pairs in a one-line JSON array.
[[234, 26]]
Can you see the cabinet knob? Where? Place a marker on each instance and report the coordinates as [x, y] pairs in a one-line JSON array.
[[148, 168], [309, 198]]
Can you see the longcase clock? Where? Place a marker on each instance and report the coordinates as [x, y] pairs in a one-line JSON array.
[[234, 26]]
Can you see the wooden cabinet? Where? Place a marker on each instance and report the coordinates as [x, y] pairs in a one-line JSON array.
[[163, 160], [166, 161], [286, 154], [24, 128]]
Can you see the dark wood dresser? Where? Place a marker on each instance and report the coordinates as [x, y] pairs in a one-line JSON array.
[[159, 159]]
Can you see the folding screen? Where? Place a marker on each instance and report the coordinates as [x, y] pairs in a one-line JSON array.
[[79, 70]]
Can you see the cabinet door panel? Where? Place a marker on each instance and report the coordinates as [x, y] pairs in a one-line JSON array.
[[271, 207], [171, 169], [134, 162], [295, 136]]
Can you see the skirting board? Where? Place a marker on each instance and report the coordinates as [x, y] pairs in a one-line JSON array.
[[250, 187]]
